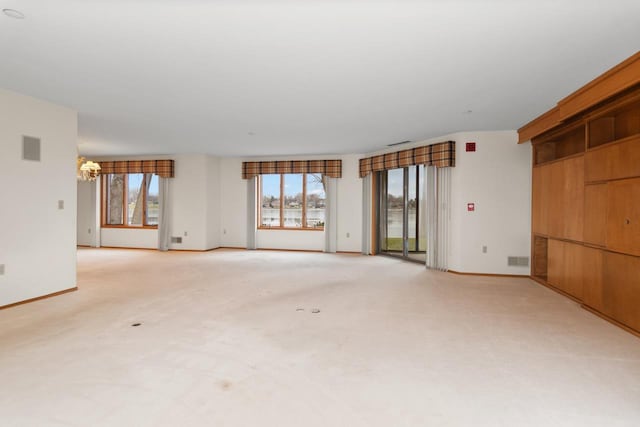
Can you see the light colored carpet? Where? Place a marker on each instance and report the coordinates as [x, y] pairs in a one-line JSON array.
[[222, 344]]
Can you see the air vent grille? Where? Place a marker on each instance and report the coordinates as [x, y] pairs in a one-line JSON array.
[[176, 239], [398, 143], [30, 148], [518, 261]]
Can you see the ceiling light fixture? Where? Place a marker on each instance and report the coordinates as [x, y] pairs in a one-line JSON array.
[[12, 13], [87, 170]]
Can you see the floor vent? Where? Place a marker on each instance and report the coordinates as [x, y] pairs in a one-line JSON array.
[[518, 261], [176, 240]]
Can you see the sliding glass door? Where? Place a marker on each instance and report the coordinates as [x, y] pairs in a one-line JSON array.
[[402, 211]]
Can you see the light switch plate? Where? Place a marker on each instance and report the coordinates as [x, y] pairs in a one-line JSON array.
[[60, 204]]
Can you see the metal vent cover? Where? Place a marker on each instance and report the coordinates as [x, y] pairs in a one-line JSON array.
[[176, 239], [30, 148], [518, 261]]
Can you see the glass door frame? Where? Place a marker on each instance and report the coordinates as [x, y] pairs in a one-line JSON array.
[[381, 214]]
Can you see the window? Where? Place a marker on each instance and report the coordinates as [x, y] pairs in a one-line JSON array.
[[291, 201], [130, 200]]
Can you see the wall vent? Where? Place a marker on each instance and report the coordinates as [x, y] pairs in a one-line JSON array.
[[398, 143], [176, 239], [30, 148], [518, 261]]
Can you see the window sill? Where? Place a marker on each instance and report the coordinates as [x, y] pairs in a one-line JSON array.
[[290, 229], [132, 227]]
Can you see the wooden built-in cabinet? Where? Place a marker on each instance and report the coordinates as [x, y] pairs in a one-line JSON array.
[[585, 217]]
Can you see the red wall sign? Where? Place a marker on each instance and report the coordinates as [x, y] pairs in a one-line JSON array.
[[471, 207], [470, 146]]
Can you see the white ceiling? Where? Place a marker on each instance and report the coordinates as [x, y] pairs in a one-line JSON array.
[[268, 77]]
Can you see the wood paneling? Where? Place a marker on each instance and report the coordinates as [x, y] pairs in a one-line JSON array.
[[623, 216], [556, 200], [541, 124], [601, 131], [573, 198], [566, 267], [595, 214], [539, 266], [616, 80], [592, 285], [586, 208], [621, 291], [540, 199], [616, 161], [555, 263], [573, 269]]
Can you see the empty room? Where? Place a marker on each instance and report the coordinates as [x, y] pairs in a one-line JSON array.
[[319, 213]]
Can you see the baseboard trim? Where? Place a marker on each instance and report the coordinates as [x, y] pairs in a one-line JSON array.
[[610, 320], [289, 250], [27, 301], [586, 307], [489, 274]]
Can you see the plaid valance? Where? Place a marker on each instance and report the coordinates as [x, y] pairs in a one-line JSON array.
[[441, 155], [331, 168], [162, 168]]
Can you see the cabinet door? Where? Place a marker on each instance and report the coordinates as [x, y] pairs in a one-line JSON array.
[[623, 216], [555, 263], [556, 200], [619, 160], [573, 198], [566, 267], [592, 278], [595, 214], [621, 290], [540, 199]]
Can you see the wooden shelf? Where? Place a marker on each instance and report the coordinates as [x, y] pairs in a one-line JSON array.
[[585, 204], [559, 145], [615, 122]]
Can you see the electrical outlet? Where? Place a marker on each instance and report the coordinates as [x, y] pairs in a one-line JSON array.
[[224, 231], [185, 234], [88, 231], [484, 249], [1, 269], [348, 235], [60, 204]]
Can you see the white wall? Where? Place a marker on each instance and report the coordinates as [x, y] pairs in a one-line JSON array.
[[209, 204], [497, 178], [194, 194], [233, 206], [88, 219], [350, 205], [213, 202], [37, 240], [85, 216]]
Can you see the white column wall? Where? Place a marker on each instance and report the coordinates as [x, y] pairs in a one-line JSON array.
[[37, 239]]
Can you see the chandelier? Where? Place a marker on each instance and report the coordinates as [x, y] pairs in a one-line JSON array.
[[87, 170]]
